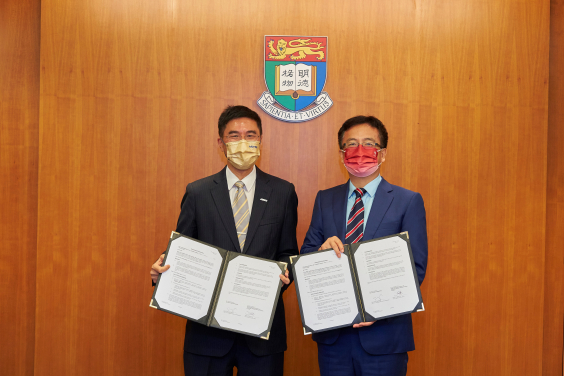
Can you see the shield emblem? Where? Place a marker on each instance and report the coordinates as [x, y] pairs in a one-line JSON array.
[[295, 69]]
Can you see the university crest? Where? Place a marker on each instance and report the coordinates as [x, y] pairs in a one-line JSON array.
[[295, 70]]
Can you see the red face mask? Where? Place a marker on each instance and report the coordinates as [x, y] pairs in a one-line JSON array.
[[361, 161]]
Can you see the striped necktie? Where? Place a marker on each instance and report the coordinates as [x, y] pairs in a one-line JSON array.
[[241, 213], [355, 224]]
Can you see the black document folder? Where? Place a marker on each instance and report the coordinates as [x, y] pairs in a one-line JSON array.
[[383, 283], [197, 268]]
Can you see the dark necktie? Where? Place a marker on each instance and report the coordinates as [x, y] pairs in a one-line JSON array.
[[355, 224]]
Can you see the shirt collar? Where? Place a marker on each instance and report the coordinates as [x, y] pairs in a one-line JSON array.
[[248, 180], [370, 187]]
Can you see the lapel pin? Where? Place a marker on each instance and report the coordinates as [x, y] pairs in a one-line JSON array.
[[262, 199]]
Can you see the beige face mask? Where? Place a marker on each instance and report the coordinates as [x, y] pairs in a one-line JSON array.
[[242, 154]]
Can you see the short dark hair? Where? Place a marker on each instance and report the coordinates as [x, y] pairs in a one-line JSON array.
[[237, 112], [370, 120]]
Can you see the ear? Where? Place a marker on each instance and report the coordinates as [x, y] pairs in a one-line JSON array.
[[382, 155], [342, 156], [221, 145]]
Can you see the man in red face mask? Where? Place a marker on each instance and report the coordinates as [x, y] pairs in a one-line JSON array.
[[366, 207]]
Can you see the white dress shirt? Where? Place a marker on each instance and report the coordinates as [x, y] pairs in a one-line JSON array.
[[249, 188]]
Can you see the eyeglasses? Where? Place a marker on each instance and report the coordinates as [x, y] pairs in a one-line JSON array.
[[237, 137], [366, 144]]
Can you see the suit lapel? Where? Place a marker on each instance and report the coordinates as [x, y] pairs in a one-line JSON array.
[[262, 190], [220, 195], [380, 205], [339, 210]]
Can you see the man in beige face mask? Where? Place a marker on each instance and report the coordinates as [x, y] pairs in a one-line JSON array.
[[241, 145], [241, 209]]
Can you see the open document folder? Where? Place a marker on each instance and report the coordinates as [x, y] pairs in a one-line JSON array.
[[371, 280], [219, 288]]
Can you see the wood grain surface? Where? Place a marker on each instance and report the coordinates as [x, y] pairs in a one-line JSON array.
[[129, 96], [19, 149], [553, 353]]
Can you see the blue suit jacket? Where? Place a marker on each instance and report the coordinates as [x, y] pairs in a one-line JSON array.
[[394, 210]]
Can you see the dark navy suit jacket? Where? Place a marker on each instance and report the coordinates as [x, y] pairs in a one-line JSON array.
[[394, 210], [206, 215]]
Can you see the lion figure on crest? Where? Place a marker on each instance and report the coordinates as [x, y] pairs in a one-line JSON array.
[[302, 47]]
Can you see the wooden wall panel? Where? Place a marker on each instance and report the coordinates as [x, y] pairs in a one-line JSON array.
[[130, 95], [554, 257], [19, 126]]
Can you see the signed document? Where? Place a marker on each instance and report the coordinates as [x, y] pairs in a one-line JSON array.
[[371, 280], [326, 290], [218, 288], [248, 295], [188, 287]]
